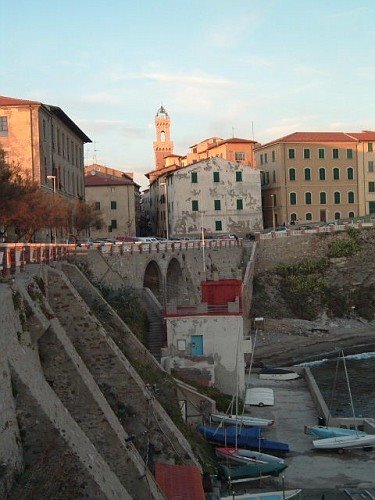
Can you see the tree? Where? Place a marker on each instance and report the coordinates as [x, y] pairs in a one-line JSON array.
[[84, 217]]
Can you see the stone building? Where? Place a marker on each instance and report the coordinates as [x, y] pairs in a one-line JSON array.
[[317, 176], [44, 142]]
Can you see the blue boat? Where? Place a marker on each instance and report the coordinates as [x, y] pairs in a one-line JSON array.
[[250, 438], [322, 432]]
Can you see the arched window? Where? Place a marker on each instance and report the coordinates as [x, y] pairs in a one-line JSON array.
[[350, 197], [293, 217], [308, 198], [307, 174], [336, 174], [336, 198], [293, 198], [309, 216], [292, 174], [322, 174], [350, 172], [323, 198], [337, 216], [351, 215], [162, 136]]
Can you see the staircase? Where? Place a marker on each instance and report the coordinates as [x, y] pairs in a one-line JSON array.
[[156, 323]]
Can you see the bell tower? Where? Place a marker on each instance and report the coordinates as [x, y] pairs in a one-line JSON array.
[[163, 145]]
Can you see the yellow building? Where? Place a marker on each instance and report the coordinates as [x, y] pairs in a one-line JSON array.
[[116, 195], [317, 176], [45, 142]]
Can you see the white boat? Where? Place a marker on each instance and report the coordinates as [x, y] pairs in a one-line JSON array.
[[244, 420], [323, 432], [277, 374], [270, 495], [244, 456], [345, 442], [259, 396]]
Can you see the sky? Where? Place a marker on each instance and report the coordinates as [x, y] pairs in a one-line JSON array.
[[246, 68]]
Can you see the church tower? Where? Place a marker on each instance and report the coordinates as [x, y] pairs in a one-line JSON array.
[[163, 145]]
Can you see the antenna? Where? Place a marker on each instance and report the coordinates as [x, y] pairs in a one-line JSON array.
[[232, 132], [252, 129], [94, 157]]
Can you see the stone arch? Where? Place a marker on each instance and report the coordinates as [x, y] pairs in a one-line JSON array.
[[152, 279], [175, 289]]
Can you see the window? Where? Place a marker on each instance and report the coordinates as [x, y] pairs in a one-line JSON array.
[[370, 166], [273, 156], [3, 126], [113, 205], [68, 148], [218, 225], [239, 156], [293, 198], [114, 224], [336, 174], [308, 216], [323, 198], [322, 174], [336, 198], [371, 187], [217, 204], [293, 217], [265, 158], [308, 198], [265, 178], [349, 154], [306, 154], [292, 174], [273, 200], [239, 204], [335, 153], [58, 141], [337, 216], [307, 174], [351, 215], [350, 197], [194, 177], [216, 176], [291, 154], [321, 153], [261, 159], [238, 176], [194, 205], [274, 176], [63, 144], [370, 147], [350, 173]]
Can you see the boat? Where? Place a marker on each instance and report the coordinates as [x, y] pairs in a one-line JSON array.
[[259, 396], [270, 495], [322, 432], [244, 420], [277, 374], [345, 442], [245, 456], [245, 437], [250, 471]]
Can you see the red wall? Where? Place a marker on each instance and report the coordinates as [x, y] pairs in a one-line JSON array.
[[221, 292]]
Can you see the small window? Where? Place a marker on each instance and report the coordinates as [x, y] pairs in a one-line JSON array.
[[273, 200], [3, 126], [216, 176], [335, 153], [293, 198], [218, 225], [273, 156], [306, 154], [371, 187], [261, 159], [370, 147], [336, 174], [350, 173], [293, 217], [265, 158], [349, 154], [194, 177], [350, 197], [308, 216], [323, 198], [322, 174], [113, 205], [238, 176], [307, 174], [308, 198], [217, 204], [292, 174], [274, 176], [351, 215], [337, 198], [291, 154], [114, 224], [97, 205], [321, 153], [239, 204], [371, 166], [337, 216], [239, 156], [194, 205]]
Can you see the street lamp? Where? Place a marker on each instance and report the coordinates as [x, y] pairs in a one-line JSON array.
[[53, 177], [164, 185], [273, 210]]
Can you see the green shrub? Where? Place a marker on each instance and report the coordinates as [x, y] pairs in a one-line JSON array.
[[343, 247], [304, 267]]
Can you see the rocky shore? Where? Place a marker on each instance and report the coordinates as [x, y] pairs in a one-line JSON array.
[[286, 342]]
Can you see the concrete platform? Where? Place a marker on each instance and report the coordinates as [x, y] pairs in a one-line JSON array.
[[308, 468]]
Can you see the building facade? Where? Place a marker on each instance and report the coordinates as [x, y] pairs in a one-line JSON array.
[[117, 198], [316, 177], [45, 143]]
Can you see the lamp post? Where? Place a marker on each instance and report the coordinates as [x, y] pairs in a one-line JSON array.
[[53, 177], [273, 210], [164, 184]]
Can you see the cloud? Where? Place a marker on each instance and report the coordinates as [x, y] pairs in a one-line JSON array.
[[230, 33], [104, 97], [287, 126], [112, 126]]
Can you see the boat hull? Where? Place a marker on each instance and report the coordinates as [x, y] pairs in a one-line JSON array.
[[243, 420], [244, 456], [322, 432], [345, 442], [255, 469], [271, 495]]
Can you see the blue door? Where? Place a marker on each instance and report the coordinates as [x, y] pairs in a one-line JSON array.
[[197, 345]]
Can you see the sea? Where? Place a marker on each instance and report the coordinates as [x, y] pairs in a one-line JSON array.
[[330, 377]]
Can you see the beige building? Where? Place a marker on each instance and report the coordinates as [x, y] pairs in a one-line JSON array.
[[116, 195], [46, 143], [317, 176]]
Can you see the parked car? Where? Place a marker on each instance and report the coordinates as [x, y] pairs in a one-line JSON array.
[[83, 242]]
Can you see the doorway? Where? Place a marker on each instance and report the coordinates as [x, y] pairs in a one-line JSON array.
[[197, 345], [323, 216]]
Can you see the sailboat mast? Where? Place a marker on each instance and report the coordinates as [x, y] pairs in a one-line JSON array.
[[350, 392]]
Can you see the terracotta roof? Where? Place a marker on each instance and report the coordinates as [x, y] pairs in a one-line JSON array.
[[305, 137], [11, 101], [231, 140], [101, 180], [179, 481], [365, 135]]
